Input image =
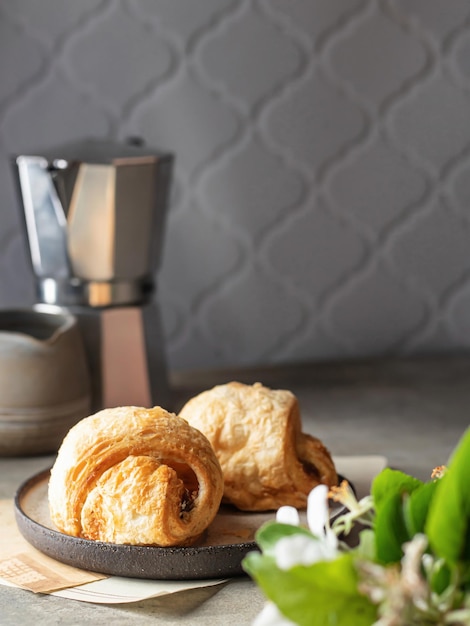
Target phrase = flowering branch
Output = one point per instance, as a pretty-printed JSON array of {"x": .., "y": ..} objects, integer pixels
[{"x": 411, "y": 566}]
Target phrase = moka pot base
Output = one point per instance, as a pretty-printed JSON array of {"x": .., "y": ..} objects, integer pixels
[{"x": 125, "y": 352}]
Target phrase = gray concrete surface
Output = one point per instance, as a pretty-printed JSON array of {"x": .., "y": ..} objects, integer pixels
[{"x": 412, "y": 411}]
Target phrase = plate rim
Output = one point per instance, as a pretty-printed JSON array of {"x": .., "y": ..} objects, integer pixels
[{"x": 225, "y": 560}]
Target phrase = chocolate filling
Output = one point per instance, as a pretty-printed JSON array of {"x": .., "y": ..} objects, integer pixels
[
  {"x": 311, "y": 470},
  {"x": 187, "y": 502}
]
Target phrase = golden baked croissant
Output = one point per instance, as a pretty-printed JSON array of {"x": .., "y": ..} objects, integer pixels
[
  {"x": 136, "y": 476},
  {"x": 256, "y": 433}
]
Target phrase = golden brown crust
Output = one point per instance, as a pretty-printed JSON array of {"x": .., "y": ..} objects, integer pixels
[
  {"x": 256, "y": 433},
  {"x": 137, "y": 476}
]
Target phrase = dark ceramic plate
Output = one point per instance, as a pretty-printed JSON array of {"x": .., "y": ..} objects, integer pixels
[{"x": 229, "y": 538}]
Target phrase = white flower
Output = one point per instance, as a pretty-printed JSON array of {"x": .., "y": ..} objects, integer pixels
[
  {"x": 401, "y": 592},
  {"x": 412, "y": 579},
  {"x": 300, "y": 549},
  {"x": 288, "y": 515},
  {"x": 317, "y": 510},
  {"x": 271, "y": 616}
]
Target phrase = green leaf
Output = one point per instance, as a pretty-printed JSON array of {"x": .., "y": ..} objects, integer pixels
[
  {"x": 270, "y": 533},
  {"x": 390, "y": 490},
  {"x": 416, "y": 507},
  {"x": 441, "y": 578},
  {"x": 448, "y": 524},
  {"x": 322, "y": 594},
  {"x": 389, "y": 482},
  {"x": 390, "y": 530},
  {"x": 366, "y": 550}
]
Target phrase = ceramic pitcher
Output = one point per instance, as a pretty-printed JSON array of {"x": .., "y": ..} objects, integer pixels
[{"x": 44, "y": 380}]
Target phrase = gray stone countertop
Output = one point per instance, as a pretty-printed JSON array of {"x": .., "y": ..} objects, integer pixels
[{"x": 412, "y": 410}]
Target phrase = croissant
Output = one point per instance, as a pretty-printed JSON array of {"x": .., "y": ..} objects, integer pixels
[
  {"x": 256, "y": 433},
  {"x": 138, "y": 476}
]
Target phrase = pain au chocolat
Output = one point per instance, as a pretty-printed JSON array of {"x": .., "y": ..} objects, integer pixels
[
  {"x": 131, "y": 475},
  {"x": 257, "y": 435}
]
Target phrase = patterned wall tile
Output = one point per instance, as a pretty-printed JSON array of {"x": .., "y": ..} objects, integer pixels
[
  {"x": 252, "y": 188},
  {"x": 102, "y": 64},
  {"x": 433, "y": 248},
  {"x": 320, "y": 200},
  {"x": 68, "y": 116},
  {"x": 440, "y": 19},
  {"x": 434, "y": 122},
  {"x": 16, "y": 286},
  {"x": 379, "y": 199},
  {"x": 27, "y": 54},
  {"x": 314, "y": 121},
  {"x": 250, "y": 316},
  {"x": 397, "y": 57},
  {"x": 458, "y": 320},
  {"x": 184, "y": 18},
  {"x": 326, "y": 249},
  {"x": 374, "y": 308},
  {"x": 249, "y": 57},
  {"x": 190, "y": 271},
  {"x": 460, "y": 58},
  {"x": 49, "y": 20},
  {"x": 316, "y": 19},
  {"x": 185, "y": 118}
]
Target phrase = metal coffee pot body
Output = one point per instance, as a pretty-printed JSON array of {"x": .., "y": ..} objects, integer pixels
[{"x": 95, "y": 216}]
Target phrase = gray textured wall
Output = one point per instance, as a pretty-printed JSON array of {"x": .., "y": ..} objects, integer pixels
[{"x": 320, "y": 202}]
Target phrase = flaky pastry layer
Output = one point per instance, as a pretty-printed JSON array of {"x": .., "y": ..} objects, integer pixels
[
  {"x": 135, "y": 476},
  {"x": 256, "y": 433}
]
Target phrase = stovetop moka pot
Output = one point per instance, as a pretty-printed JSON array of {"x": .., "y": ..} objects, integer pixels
[{"x": 95, "y": 215}]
